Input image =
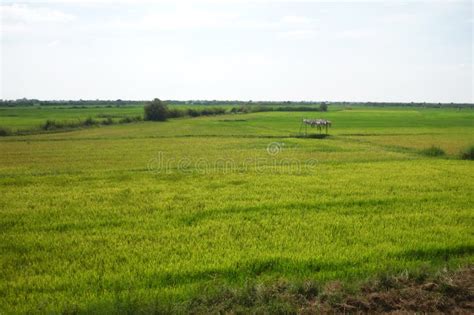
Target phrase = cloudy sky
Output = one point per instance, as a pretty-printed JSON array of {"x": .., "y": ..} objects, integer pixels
[{"x": 246, "y": 50}]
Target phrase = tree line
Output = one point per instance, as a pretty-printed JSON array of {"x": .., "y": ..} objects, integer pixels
[
  {"x": 24, "y": 102},
  {"x": 158, "y": 110}
]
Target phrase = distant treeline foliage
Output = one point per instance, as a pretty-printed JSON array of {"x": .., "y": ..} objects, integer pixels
[
  {"x": 468, "y": 153},
  {"x": 157, "y": 110},
  {"x": 51, "y": 124},
  {"x": 119, "y": 102},
  {"x": 72, "y": 103}
]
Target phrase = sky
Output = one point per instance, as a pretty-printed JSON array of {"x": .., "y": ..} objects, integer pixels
[{"x": 380, "y": 51}]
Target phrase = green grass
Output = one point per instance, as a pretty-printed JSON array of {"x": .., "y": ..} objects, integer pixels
[
  {"x": 145, "y": 216},
  {"x": 21, "y": 118},
  {"x": 26, "y": 118}
]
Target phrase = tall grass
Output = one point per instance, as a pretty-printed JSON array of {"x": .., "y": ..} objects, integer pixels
[
  {"x": 433, "y": 151},
  {"x": 50, "y": 124},
  {"x": 5, "y": 132},
  {"x": 468, "y": 153}
]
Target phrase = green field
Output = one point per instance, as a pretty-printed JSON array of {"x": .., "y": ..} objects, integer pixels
[
  {"x": 18, "y": 118},
  {"x": 145, "y": 216}
]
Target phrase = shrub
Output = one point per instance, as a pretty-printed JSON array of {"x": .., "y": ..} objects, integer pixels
[
  {"x": 433, "y": 151},
  {"x": 175, "y": 113},
  {"x": 262, "y": 108},
  {"x": 54, "y": 125},
  {"x": 156, "y": 111},
  {"x": 259, "y": 109},
  {"x": 193, "y": 112},
  {"x": 89, "y": 122},
  {"x": 5, "y": 132},
  {"x": 107, "y": 116},
  {"x": 51, "y": 125},
  {"x": 212, "y": 111},
  {"x": 126, "y": 120},
  {"x": 297, "y": 109},
  {"x": 220, "y": 111},
  {"x": 244, "y": 109},
  {"x": 468, "y": 153},
  {"x": 108, "y": 121}
]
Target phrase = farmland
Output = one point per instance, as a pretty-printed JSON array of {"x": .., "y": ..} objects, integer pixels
[{"x": 145, "y": 216}]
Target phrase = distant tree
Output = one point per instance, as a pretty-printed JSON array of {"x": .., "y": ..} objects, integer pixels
[
  {"x": 156, "y": 111},
  {"x": 323, "y": 107}
]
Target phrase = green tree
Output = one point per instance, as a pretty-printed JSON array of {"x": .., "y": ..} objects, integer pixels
[
  {"x": 156, "y": 111},
  {"x": 323, "y": 107}
]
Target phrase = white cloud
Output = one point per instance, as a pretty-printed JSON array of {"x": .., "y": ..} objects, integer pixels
[
  {"x": 180, "y": 18},
  {"x": 297, "y": 27},
  {"x": 296, "y": 20},
  {"x": 21, "y": 13},
  {"x": 185, "y": 19},
  {"x": 356, "y": 34},
  {"x": 53, "y": 43},
  {"x": 297, "y": 34}
]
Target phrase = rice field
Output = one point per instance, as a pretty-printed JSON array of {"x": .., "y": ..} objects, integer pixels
[{"x": 145, "y": 216}]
